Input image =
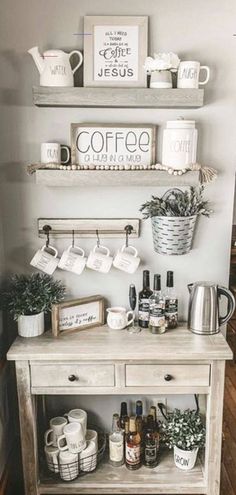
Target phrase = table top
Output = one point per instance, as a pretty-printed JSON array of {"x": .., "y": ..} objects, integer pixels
[{"x": 103, "y": 344}]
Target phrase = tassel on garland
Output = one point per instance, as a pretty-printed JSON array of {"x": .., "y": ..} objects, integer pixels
[{"x": 207, "y": 174}]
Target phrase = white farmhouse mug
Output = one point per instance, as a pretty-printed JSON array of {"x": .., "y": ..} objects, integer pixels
[
  {"x": 126, "y": 261},
  {"x": 73, "y": 260},
  {"x": 92, "y": 435},
  {"x": 118, "y": 318},
  {"x": 51, "y": 454},
  {"x": 45, "y": 259},
  {"x": 88, "y": 458},
  {"x": 56, "y": 430},
  {"x": 78, "y": 416},
  {"x": 188, "y": 74},
  {"x": 52, "y": 153},
  {"x": 98, "y": 260},
  {"x": 74, "y": 437},
  {"x": 69, "y": 465}
]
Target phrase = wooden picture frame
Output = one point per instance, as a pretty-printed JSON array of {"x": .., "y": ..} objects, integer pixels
[
  {"x": 115, "y": 49},
  {"x": 113, "y": 144},
  {"x": 67, "y": 319}
]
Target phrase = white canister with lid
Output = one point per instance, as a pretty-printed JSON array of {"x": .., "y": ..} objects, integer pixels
[{"x": 179, "y": 147}]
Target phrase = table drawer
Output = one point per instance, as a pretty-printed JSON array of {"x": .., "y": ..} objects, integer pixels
[
  {"x": 171, "y": 375},
  {"x": 72, "y": 375}
]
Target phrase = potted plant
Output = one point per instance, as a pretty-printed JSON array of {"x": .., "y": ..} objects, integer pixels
[
  {"x": 174, "y": 217},
  {"x": 28, "y": 297},
  {"x": 160, "y": 68},
  {"x": 185, "y": 433}
]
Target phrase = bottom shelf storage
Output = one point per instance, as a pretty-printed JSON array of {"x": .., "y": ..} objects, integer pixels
[{"x": 163, "y": 479}]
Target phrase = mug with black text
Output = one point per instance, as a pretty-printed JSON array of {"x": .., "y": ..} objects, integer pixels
[
  {"x": 52, "y": 153},
  {"x": 188, "y": 74}
]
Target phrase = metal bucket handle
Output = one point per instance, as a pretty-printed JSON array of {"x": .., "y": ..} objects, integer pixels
[{"x": 170, "y": 192}]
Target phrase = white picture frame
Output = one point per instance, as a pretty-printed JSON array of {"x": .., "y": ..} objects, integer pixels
[
  {"x": 115, "y": 49},
  {"x": 113, "y": 144}
]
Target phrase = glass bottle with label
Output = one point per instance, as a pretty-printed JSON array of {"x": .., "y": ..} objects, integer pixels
[
  {"x": 143, "y": 303},
  {"x": 157, "y": 308},
  {"x": 116, "y": 443},
  {"x": 150, "y": 445},
  {"x": 171, "y": 302},
  {"x": 133, "y": 446},
  {"x": 139, "y": 421}
]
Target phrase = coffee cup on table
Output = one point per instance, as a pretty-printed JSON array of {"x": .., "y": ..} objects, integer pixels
[
  {"x": 118, "y": 318},
  {"x": 73, "y": 260},
  {"x": 127, "y": 259},
  {"x": 56, "y": 430},
  {"x": 45, "y": 259},
  {"x": 74, "y": 438},
  {"x": 99, "y": 259},
  {"x": 78, "y": 416},
  {"x": 188, "y": 74},
  {"x": 69, "y": 465},
  {"x": 52, "y": 153}
]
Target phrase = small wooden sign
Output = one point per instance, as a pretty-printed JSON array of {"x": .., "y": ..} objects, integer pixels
[
  {"x": 113, "y": 144},
  {"x": 78, "y": 314}
]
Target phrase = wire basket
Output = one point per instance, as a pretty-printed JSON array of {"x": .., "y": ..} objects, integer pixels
[{"x": 82, "y": 465}]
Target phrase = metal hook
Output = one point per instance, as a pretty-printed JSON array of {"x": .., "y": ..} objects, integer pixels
[
  {"x": 46, "y": 229},
  {"x": 128, "y": 231},
  {"x": 98, "y": 240},
  {"x": 73, "y": 238}
]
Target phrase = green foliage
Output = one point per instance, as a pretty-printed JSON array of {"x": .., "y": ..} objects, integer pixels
[
  {"x": 184, "y": 430},
  {"x": 178, "y": 204},
  {"x": 31, "y": 294}
]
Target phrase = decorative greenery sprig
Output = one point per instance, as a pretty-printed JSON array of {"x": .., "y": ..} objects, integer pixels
[
  {"x": 184, "y": 430},
  {"x": 31, "y": 294},
  {"x": 178, "y": 204}
]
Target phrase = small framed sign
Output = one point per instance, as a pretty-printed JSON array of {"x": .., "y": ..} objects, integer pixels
[
  {"x": 115, "y": 48},
  {"x": 113, "y": 144},
  {"x": 71, "y": 316}
]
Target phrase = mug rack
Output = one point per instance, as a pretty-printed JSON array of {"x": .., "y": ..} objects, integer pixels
[{"x": 89, "y": 227}]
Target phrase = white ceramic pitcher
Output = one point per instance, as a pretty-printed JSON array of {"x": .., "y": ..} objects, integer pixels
[{"x": 54, "y": 66}]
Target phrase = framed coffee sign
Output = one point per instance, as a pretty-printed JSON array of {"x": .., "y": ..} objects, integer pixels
[
  {"x": 71, "y": 316},
  {"x": 115, "y": 48},
  {"x": 113, "y": 144}
]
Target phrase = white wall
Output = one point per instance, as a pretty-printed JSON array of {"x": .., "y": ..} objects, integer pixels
[{"x": 196, "y": 31}]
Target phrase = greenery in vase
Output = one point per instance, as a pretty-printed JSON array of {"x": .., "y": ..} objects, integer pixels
[
  {"x": 31, "y": 294},
  {"x": 184, "y": 430},
  {"x": 177, "y": 204}
]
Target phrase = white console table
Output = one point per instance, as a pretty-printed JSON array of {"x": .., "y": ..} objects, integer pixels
[{"x": 105, "y": 362}]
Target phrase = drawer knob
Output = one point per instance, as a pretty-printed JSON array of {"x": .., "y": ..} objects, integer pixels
[
  {"x": 168, "y": 378},
  {"x": 72, "y": 378}
]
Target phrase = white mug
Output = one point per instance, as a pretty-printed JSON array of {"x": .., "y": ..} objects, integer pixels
[
  {"x": 78, "y": 416},
  {"x": 188, "y": 74},
  {"x": 56, "y": 430},
  {"x": 88, "y": 458},
  {"x": 52, "y": 153},
  {"x": 99, "y": 261},
  {"x": 73, "y": 260},
  {"x": 118, "y": 318},
  {"x": 74, "y": 437},
  {"x": 92, "y": 435},
  {"x": 44, "y": 260},
  {"x": 51, "y": 454},
  {"x": 126, "y": 261},
  {"x": 69, "y": 465}
]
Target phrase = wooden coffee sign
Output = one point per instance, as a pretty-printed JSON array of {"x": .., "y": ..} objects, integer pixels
[
  {"x": 115, "y": 49},
  {"x": 71, "y": 316},
  {"x": 122, "y": 144}
]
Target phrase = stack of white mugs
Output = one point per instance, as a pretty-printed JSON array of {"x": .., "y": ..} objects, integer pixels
[{"x": 70, "y": 448}]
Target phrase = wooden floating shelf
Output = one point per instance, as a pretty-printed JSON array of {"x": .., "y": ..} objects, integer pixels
[
  {"x": 165, "y": 478},
  {"x": 45, "y": 96},
  {"x": 95, "y": 178}
]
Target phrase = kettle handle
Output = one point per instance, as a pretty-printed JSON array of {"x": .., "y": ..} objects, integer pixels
[{"x": 231, "y": 304}]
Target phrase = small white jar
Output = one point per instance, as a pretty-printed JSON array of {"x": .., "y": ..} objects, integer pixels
[{"x": 179, "y": 148}]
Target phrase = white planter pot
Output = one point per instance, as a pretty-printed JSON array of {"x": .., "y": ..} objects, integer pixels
[
  {"x": 31, "y": 326},
  {"x": 161, "y": 79},
  {"x": 185, "y": 459}
]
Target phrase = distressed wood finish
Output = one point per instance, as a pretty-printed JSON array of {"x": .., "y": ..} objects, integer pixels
[
  {"x": 117, "y": 97},
  {"x": 86, "y": 227},
  {"x": 102, "y": 344},
  {"x": 113, "y": 178},
  {"x": 28, "y": 420},
  {"x": 154, "y": 374},
  {"x": 214, "y": 430},
  {"x": 86, "y": 375}
]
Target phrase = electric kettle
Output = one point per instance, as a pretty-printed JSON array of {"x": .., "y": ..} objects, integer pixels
[{"x": 203, "y": 310}]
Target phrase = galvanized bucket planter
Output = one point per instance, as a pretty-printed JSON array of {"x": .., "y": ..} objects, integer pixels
[{"x": 173, "y": 235}]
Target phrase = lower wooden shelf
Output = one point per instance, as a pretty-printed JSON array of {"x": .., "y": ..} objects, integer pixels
[{"x": 163, "y": 479}]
